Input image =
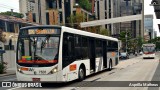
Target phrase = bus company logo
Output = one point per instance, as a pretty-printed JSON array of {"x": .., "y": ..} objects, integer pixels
[
  {"x": 35, "y": 72},
  {"x": 6, "y": 84},
  {"x": 31, "y": 69}
]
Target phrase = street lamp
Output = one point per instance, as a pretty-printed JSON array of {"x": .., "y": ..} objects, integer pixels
[
  {"x": 126, "y": 15},
  {"x": 126, "y": 40}
]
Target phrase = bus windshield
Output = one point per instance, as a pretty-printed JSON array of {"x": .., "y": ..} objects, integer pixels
[
  {"x": 38, "y": 50},
  {"x": 148, "y": 49}
]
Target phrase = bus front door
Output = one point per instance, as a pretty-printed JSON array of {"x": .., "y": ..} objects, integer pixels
[{"x": 104, "y": 55}]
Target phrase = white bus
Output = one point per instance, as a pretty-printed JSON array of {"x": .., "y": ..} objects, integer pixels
[
  {"x": 62, "y": 54},
  {"x": 148, "y": 50}
]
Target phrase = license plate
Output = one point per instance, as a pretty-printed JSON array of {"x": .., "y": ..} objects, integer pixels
[{"x": 36, "y": 79}]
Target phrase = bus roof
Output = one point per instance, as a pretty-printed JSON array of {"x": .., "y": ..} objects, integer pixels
[
  {"x": 71, "y": 30},
  {"x": 80, "y": 32}
]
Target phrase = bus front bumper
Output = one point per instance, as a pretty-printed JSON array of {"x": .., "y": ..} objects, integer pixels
[{"x": 25, "y": 77}]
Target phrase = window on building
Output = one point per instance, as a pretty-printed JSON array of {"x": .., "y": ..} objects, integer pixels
[
  {"x": 2, "y": 25},
  {"x": 34, "y": 17},
  {"x": 98, "y": 11},
  {"x": 51, "y": 4},
  {"x": 47, "y": 18},
  {"x": 60, "y": 4}
]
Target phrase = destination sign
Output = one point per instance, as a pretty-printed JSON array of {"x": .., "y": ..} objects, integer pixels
[{"x": 43, "y": 31}]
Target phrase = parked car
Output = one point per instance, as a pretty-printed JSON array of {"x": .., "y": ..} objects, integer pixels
[{"x": 124, "y": 55}]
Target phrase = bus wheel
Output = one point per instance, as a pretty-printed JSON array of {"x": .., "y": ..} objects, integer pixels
[
  {"x": 110, "y": 65},
  {"x": 81, "y": 74}
]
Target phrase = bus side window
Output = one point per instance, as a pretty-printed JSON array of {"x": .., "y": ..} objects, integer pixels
[
  {"x": 78, "y": 49},
  {"x": 68, "y": 49},
  {"x": 85, "y": 48}
]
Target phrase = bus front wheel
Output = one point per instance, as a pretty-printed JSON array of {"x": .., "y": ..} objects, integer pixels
[{"x": 81, "y": 74}]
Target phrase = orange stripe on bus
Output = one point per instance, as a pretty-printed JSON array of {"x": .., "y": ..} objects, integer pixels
[{"x": 24, "y": 69}]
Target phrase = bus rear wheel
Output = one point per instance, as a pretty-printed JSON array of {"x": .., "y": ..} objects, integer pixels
[{"x": 81, "y": 74}]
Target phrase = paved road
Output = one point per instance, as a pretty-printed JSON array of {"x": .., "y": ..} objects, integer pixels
[{"x": 135, "y": 69}]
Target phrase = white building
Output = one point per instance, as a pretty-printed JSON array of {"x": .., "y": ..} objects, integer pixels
[{"x": 25, "y": 6}]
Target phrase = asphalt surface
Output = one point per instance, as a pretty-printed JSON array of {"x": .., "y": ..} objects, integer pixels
[{"x": 133, "y": 69}]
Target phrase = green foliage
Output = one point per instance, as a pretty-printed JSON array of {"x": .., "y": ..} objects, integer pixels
[
  {"x": 104, "y": 32},
  {"x": 122, "y": 36},
  {"x": 132, "y": 43},
  {"x": 155, "y": 41},
  {"x": 85, "y": 4},
  {"x": 75, "y": 20},
  {"x": 3, "y": 67},
  {"x": 15, "y": 14}
]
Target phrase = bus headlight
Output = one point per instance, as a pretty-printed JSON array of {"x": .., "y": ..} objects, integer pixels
[
  {"x": 19, "y": 69},
  {"x": 54, "y": 70}
]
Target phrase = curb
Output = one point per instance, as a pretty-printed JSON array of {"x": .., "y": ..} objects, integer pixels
[{"x": 1, "y": 75}]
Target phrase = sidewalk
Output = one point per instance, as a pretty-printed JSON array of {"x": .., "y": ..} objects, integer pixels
[
  {"x": 128, "y": 62},
  {"x": 8, "y": 72}
]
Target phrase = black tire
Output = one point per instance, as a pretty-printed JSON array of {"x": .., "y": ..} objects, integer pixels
[
  {"x": 110, "y": 65},
  {"x": 81, "y": 74}
]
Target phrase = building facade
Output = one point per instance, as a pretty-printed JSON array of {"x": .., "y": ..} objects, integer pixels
[
  {"x": 106, "y": 9},
  {"x": 10, "y": 27},
  {"x": 148, "y": 25},
  {"x": 26, "y": 6},
  {"x": 50, "y": 12}
]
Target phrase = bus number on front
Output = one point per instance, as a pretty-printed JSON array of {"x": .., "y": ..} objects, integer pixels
[{"x": 42, "y": 72}]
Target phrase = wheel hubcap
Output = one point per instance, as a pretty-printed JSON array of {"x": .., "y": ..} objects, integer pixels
[
  {"x": 110, "y": 66},
  {"x": 81, "y": 73}
]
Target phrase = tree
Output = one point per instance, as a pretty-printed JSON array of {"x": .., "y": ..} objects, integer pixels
[
  {"x": 123, "y": 38},
  {"x": 15, "y": 14},
  {"x": 2, "y": 36},
  {"x": 155, "y": 41},
  {"x": 104, "y": 32},
  {"x": 85, "y": 4},
  {"x": 75, "y": 20}
]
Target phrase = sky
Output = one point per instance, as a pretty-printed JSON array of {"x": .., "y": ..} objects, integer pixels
[
  {"x": 7, "y": 5},
  {"x": 150, "y": 10}
]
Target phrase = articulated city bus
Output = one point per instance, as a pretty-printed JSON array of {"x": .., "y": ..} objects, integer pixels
[
  {"x": 62, "y": 54},
  {"x": 148, "y": 50}
]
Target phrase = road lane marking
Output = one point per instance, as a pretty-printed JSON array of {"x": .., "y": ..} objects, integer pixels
[
  {"x": 13, "y": 88},
  {"x": 7, "y": 76}
]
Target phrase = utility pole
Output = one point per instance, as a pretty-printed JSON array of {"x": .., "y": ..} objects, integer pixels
[
  {"x": 126, "y": 15},
  {"x": 11, "y": 12},
  {"x": 39, "y": 10},
  {"x": 126, "y": 40}
]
